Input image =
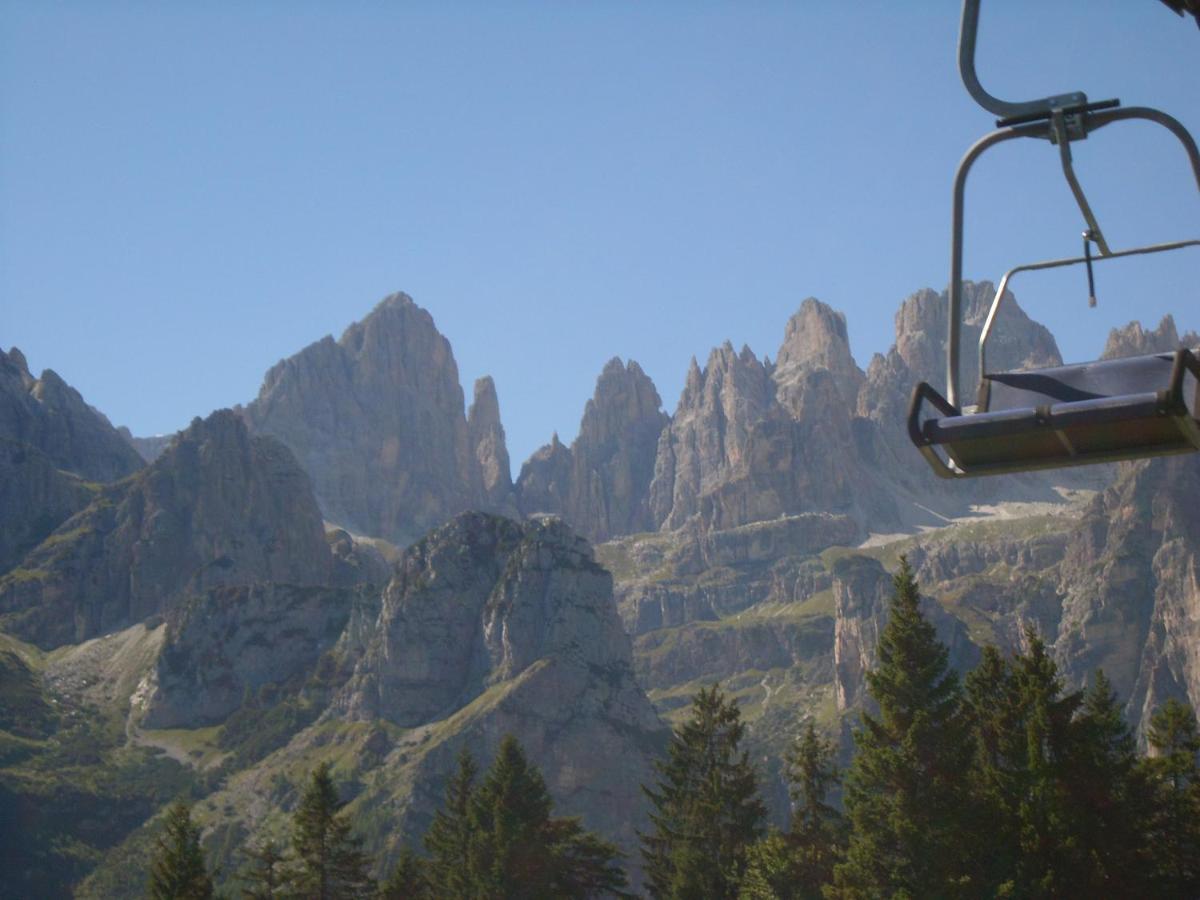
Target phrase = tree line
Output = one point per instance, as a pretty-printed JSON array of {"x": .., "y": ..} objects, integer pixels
[{"x": 1000, "y": 784}]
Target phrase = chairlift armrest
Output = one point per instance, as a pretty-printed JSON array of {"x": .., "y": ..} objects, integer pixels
[
  {"x": 1185, "y": 361},
  {"x": 921, "y": 393}
]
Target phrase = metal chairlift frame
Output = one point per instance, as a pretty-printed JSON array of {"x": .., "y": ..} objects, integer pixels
[{"x": 1060, "y": 119}]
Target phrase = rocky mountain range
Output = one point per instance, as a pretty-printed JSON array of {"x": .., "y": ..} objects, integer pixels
[{"x": 344, "y": 570}]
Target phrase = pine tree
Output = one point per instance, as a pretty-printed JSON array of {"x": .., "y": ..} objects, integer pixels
[
  {"x": 817, "y": 830},
  {"x": 993, "y": 711},
  {"x": 516, "y": 849},
  {"x": 1173, "y": 772},
  {"x": 706, "y": 808},
  {"x": 448, "y": 840},
  {"x": 1108, "y": 796},
  {"x": 1051, "y": 861},
  {"x": 906, "y": 787},
  {"x": 409, "y": 879},
  {"x": 506, "y": 813},
  {"x": 177, "y": 871},
  {"x": 265, "y": 876},
  {"x": 330, "y": 864}
]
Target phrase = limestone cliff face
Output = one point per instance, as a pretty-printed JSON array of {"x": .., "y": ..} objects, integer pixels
[
  {"x": 218, "y": 507},
  {"x": 53, "y": 448},
  {"x": 376, "y": 419},
  {"x": 491, "y": 627},
  {"x": 816, "y": 339},
  {"x": 35, "y": 497},
  {"x": 233, "y": 638},
  {"x": 600, "y": 485},
  {"x": 148, "y": 448},
  {"x": 709, "y": 438},
  {"x": 486, "y": 436},
  {"x": 544, "y": 485},
  {"x": 752, "y": 441},
  {"x": 674, "y": 579},
  {"x": 1129, "y": 578},
  {"x": 49, "y": 415}
]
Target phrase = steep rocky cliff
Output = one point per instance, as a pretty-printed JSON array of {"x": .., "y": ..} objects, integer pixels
[
  {"x": 489, "y": 627},
  {"x": 751, "y": 440},
  {"x": 218, "y": 507},
  {"x": 376, "y": 418},
  {"x": 1130, "y": 576},
  {"x": 49, "y": 415},
  {"x": 36, "y": 497},
  {"x": 234, "y": 639},
  {"x": 54, "y": 449},
  {"x": 486, "y": 436},
  {"x": 600, "y": 484}
]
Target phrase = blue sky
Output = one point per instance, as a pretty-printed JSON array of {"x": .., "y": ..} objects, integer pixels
[{"x": 190, "y": 192}]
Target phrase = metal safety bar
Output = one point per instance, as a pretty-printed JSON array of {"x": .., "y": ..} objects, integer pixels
[
  {"x": 1041, "y": 130},
  {"x": 1055, "y": 264}
]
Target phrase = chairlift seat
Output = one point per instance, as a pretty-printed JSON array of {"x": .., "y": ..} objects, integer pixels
[{"x": 1068, "y": 415}]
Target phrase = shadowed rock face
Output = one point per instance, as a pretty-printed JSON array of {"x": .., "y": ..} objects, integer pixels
[
  {"x": 53, "y": 448},
  {"x": 49, "y": 415},
  {"x": 489, "y": 627},
  {"x": 1129, "y": 577},
  {"x": 35, "y": 496},
  {"x": 233, "y": 638},
  {"x": 376, "y": 419},
  {"x": 600, "y": 484},
  {"x": 218, "y": 507}
]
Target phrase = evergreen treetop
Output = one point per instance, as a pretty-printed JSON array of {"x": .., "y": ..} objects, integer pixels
[
  {"x": 330, "y": 864},
  {"x": 906, "y": 787},
  {"x": 177, "y": 871},
  {"x": 706, "y": 807}
]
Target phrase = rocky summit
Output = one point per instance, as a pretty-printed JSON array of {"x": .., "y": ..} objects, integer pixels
[
  {"x": 49, "y": 415},
  {"x": 600, "y": 484},
  {"x": 376, "y": 418},
  {"x": 55, "y": 452}
]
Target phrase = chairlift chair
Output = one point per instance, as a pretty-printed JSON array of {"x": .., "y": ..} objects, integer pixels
[{"x": 1093, "y": 412}]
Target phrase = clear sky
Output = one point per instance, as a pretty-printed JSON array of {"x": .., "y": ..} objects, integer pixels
[{"x": 191, "y": 191}]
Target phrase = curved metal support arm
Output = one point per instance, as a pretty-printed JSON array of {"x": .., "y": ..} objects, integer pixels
[
  {"x": 1002, "y": 108},
  {"x": 1035, "y": 130},
  {"x": 1149, "y": 114},
  {"x": 1055, "y": 264}
]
